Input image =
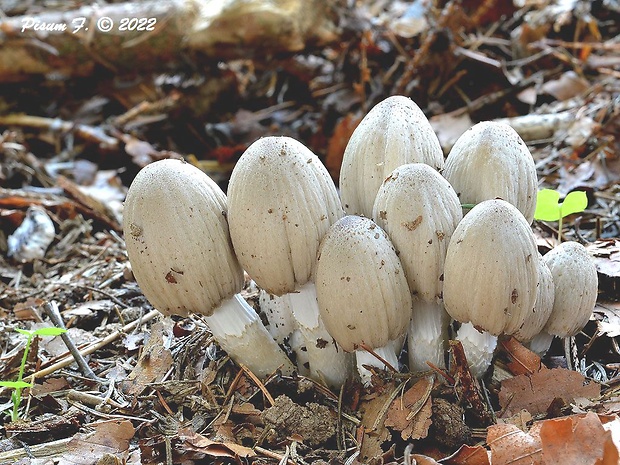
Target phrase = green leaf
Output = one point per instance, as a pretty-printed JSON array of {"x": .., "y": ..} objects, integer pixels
[
  {"x": 547, "y": 205},
  {"x": 53, "y": 331},
  {"x": 574, "y": 202},
  {"x": 15, "y": 384},
  {"x": 25, "y": 332}
]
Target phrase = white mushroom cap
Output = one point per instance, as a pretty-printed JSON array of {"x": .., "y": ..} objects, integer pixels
[
  {"x": 281, "y": 202},
  {"x": 576, "y": 287},
  {"x": 419, "y": 211},
  {"x": 361, "y": 287},
  {"x": 185, "y": 263},
  {"x": 393, "y": 133},
  {"x": 537, "y": 318},
  {"x": 490, "y": 160},
  {"x": 491, "y": 268}
]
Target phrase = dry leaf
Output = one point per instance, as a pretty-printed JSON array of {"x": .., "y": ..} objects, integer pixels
[
  {"x": 373, "y": 409},
  {"x": 155, "y": 361},
  {"x": 577, "y": 440},
  {"x": 607, "y": 316},
  {"x": 510, "y": 445},
  {"x": 522, "y": 360},
  {"x": 536, "y": 392},
  {"x": 468, "y": 455},
  {"x": 110, "y": 437},
  {"x": 338, "y": 142},
  {"x": 195, "y": 442},
  {"x": 449, "y": 128},
  {"x": 411, "y": 413},
  {"x": 569, "y": 85}
]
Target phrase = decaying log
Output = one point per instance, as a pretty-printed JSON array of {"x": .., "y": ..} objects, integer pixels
[{"x": 143, "y": 36}]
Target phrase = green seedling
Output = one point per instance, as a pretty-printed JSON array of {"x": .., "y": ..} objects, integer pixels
[
  {"x": 17, "y": 386},
  {"x": 549, "y": 207}
]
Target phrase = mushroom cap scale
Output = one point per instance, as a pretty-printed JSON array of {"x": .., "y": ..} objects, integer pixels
[
  {"x": 393, "y": 133},
  {"x": 419, "y": 211},
  {"x": 491, "y": 160},
  {"x": 576, "y": 287},
  {"x": 281, "y": 202},
  {"x": 491, "y": 269},
  {"x": 361, "y": 287},
  {"x": 177, "y": 239}
]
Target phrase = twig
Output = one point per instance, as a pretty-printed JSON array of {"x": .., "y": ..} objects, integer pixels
[
  {"x": 258, "y": 383},
  {"x": 272, "y": 455},
  {"x": 94, "y": 347},
  {"x": 51, "y": 308}
]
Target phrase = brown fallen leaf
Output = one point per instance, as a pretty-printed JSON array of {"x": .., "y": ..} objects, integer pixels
[
  {"x": 411, "y": 413},
  {"x": 195, "y": 442},
  {"x": 535, "y": 393},
  {"x": 468, "y": 455},
  {"x": 155, "y": 361},
  {"x": 373, "y": 409},
  {"x": 522, "y": 360},
  {"x": 577, "y": 440},
  {"x": 110, "y": 437},
  {"x": 511, "y": 445}
]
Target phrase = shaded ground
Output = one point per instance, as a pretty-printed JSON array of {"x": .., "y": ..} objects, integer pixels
[{"x": 170, "y": 395}]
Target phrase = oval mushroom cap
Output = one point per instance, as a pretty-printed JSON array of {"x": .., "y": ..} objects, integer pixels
[
  {"x": 576, "y": 287},
  {"x": 393, "y": 133},
  {"x": 419, "y": 211},
  {"x": 177, "y": 239},
  {"x": 491, "y": 268},
  {"x": 281, "y": 202},
  {"x": 490, "y": 160},
  {"x": 537, "y": 318},
  {"x": 361, "y": 287}
]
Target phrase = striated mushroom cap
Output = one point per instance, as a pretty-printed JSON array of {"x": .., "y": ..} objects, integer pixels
[
  {"x": 419, "y": 211},
  {"x": 491, "y": 268},
  {"x": 537, "y": 318},
  {"x": 281, "y": 202},
  {"x": 576, "y": 288},
  {"x": 490, "y": 160},
  {"x": 177, "y": 239},
  {"x": 361, "y": 287},
  {"x": 393, "y": 133}
]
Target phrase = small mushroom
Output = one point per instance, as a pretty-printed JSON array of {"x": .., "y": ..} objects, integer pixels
[
  {"x": 362, "y": 291},
  {"x": 490, "y": 160},
  {"x": 182, "y": 258},
  {"x": 576, "y": 287},
  {"x": 491, "y": 268},
  {"x": 419, "y": 211},
  {"x": 281, "y": 202},
  {"x": 393, "y": 133}
]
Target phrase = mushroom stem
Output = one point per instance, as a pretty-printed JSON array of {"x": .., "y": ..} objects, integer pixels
[
  {"x": 240, "y": 332},
  {"x": 428, "y": 333},
  {"x": 327, "y": 361},
  {"x": 541, "y": 343},
  {"x": 365, "y": 357},
  {"x": 479, "y": 347}
]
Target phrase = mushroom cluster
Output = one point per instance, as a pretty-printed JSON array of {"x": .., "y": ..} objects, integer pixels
[{"x": 391, "y": 256}]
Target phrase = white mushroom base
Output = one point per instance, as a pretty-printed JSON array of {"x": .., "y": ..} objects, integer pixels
[{"x": 240, "y": 332}]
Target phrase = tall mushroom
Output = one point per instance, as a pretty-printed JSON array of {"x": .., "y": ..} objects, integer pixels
[
  {"x": 181, "y": 255},
  {"x": 393, "y": 133},
  {"x": 363, "y": 294},
  {"x": 281, "y": 202},
  {"x": 491, "y": 268},
  {"x": 491, "y": 160},
  {"x": 419, "y": 211}
]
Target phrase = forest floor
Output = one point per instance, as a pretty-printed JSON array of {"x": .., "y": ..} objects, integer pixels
[{"x": 159, "y": 390}]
